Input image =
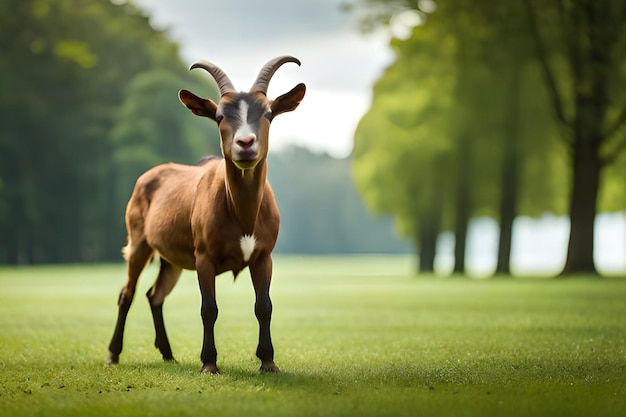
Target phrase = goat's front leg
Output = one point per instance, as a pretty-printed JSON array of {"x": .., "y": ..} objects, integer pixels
[
  {"x": 261, "y": 273},
  {"x": 206, "y": 280}
]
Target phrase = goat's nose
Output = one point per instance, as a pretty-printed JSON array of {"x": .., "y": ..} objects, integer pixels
[{"x": 246, "y": 141}]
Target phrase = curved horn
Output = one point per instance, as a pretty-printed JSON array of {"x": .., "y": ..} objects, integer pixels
[
  {"x": 223, "y": 82},
  {"x": 265, "y": 75}
]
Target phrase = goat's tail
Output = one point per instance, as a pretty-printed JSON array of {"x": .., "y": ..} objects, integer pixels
[{"x": 126, "y": 251}]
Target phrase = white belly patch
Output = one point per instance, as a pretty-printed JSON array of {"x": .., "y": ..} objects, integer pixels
[{"x": 247, "y": 244}]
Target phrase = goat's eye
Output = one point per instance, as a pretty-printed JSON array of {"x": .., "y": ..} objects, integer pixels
[
  {"x": 219, "y": 118},
  {"x": 268, "y": 115}
]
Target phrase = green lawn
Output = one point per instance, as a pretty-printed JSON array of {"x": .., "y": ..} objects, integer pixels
[{"x": 355, "y": 336}]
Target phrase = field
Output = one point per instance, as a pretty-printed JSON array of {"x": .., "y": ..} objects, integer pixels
[{"x": 355, "y": 336}]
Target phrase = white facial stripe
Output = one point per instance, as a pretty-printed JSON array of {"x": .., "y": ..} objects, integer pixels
[
  {"x": 247, "y": 244},
  {"x": 245, "y": 129},
  {"x": 243, "y": 110}
]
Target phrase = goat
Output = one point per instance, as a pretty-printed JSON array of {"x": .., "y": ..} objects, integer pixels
[{"x": 218, "y": 216}]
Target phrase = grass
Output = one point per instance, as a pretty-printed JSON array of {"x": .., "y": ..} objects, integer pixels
[{"x": 355, "y": 336}]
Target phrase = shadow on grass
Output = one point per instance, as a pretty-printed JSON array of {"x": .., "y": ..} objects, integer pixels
[{"x": 228, "y": 373}]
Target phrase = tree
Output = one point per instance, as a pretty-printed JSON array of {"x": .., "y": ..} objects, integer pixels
[
  {"x": 402, "y": 152},
  {"x": 581, "y": 47}
]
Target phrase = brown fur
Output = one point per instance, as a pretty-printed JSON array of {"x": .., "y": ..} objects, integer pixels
[{"x": 194, "y": 217}]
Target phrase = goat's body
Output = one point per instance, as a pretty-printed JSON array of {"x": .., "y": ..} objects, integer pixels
[{"x": 171, "y": 189}]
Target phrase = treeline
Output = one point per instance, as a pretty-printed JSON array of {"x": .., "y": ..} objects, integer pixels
[
  {"x": 497, "y": 109},
  {"x": 88, "y": 101},
  {"x": 321, "y": 210}
]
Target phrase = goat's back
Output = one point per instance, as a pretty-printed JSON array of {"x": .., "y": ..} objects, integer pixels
[{"x": 159, "y": 210}]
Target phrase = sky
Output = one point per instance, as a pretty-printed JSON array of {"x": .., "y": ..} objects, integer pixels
[{"x": 339, "y": 63}]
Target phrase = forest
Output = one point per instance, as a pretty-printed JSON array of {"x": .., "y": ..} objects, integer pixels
[{"x": 498, "y": 109}]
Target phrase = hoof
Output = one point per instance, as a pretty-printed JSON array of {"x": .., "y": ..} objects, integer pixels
[
  {"x": 209, "y": 368},
  {"x": 270, "y": 367},
  {"x": 166, "y": 353},
  {"x": 113, "y": 360}
]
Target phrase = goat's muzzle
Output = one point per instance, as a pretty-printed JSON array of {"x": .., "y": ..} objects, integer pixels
[{"x": 245, "y": 151}]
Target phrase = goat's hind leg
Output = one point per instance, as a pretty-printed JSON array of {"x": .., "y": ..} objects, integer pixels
[
  {"x": 137, "y": 257},
  {"x": 167, "y": 279}
]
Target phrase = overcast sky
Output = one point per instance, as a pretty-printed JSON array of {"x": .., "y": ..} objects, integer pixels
[{"x": 339, "y": 64}]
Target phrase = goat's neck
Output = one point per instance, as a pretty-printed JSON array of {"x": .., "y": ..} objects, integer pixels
[{"x": 245, "y": 192}]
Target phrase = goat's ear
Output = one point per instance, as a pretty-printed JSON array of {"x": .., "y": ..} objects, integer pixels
[
  {"x": 199, "y": 106},
  {"x": 288, "y": 101}
]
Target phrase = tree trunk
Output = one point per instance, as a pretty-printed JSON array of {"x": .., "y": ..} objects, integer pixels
[
  {"x": 427, "y": 248},
  {"x": 460, "y": 236},
  {"x": 507, "y": 216},
  {"x": 462, "y": 207},
  {"x": 509, "y": 184},
  {"x": 428, "y": 231},
  {"x": 592, "y": 35},
  {"x": 582, "y": 209},
  {"x": 589, "y": 133}
]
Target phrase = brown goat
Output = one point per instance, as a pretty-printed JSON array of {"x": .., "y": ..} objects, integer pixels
[{"x": 215, "y": 217}]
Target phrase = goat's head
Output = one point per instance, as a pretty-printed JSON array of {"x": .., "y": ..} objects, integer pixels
[{"x": 244, "y": 118}]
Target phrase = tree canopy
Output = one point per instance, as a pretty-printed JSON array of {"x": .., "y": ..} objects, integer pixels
[
  {"x": 79, "y": 81},
  {"x": 480, "y": 115}
]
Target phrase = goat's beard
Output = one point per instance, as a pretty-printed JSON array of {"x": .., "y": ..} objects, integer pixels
[{"x": 244, "y": 165}]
